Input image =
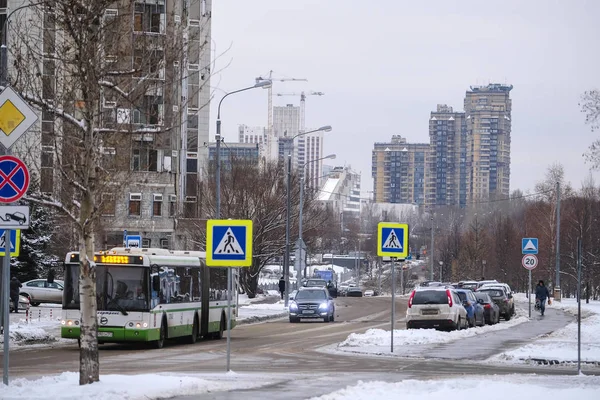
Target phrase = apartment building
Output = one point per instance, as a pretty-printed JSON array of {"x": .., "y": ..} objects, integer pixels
[
  {"x": 166, "y": 128},
  {"x": 398, "y": 170},
  {"x": 488, "y": 115}
]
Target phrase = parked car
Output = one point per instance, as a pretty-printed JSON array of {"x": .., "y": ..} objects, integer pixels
[
  {"x": 491, "y": 311},
  {"x": 501, "y": 299},
  {"x": 354, "y": 292},
  {"x": 342, "y": 290},
  {"x": 40, "y": 291},
  {"x": 369, "y": 293},
  {"x": 312, "y": 302},
  {"x": 315, "y": 282},
  {"x": 23, "y": 303},
  {"x": 435, "y": 307},
  {"x": 468, "y": 285},
  {"x": 506, "y": 289},
  {"x": 481, "y": 283},
  {"x": 475, "y": 314}
]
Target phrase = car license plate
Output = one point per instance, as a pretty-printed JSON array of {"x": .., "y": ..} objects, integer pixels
[
  {"x": 308, "y": 312},
  {"x": 429, "y": 312},
  {"x": 105, "y": 334}
]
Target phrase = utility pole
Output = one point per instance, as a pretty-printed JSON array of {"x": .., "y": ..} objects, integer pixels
[
  {"x": 557, "y": 292},
  {"x": 431, "y": 250},
  {"x": 286, "y": 257}
]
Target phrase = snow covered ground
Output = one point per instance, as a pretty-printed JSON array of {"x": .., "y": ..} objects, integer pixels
[
  {"x": 377, "y": 341},
  {"x": 561, "y": 345},
  {"x": 132, "y": 387},
  {"x": 490, "y": 388}
]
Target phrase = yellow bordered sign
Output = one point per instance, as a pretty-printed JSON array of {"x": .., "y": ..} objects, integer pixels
[
  {"x": 228, "y": 243},
  {"x": 392, "y": 240},
  {"x": 15, "y": 242}
]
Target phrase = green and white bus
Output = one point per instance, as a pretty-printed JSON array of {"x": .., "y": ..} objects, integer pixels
[{"x": 150, "y": 295}]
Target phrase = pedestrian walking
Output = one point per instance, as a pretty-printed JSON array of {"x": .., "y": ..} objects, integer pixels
[
  {"x": 282, "y": 286},
  {"x": 15, "y": 288},
  {"x": 542, "y": 294}
]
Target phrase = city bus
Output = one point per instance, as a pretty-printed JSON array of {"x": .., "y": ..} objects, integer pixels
[{"x": 150, "y": 295}]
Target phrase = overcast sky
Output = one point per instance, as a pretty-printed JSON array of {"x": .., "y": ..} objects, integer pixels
[{"x": 384, "y": 65}]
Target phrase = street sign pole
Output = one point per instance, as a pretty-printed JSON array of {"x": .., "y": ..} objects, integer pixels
[
  {"x": 529, "y": 290},
  {"x": 393, "y": 301},
  {"x": 229, "y": 294},
  {"x": 5, "y": 295}
]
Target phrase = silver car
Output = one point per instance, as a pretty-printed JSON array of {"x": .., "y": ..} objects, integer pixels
[{"x": 40, "y": 291}]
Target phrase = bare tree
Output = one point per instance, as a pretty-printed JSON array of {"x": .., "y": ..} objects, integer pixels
[
  {"x": 80, "y": 57},
  {"x": 590, "y": 105}
]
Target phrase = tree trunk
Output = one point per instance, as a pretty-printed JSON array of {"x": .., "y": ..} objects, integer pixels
[{"x": 89, "y": 365}]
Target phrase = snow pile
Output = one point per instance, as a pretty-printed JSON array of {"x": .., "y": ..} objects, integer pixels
[
  {"x": 382, "y": 338},
  {"x": 132, "y": 387},
  {"x": 561, "y": 345},
  {"x": 280, "y": 305},
  {"x": 23, "y": 333},
  {"x": 490, "y": 388}
]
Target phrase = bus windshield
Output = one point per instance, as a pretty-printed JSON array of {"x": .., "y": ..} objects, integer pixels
[{"x": 118, "y": 288}]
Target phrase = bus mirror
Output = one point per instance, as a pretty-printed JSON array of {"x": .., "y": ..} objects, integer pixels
[{"x": 156, "y": 283}]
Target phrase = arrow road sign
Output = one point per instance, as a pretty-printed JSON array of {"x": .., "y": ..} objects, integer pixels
[
  {"x": 228, "y": 243},
  {"x": 15, "y": 242},
  {"x": 14, "y": 179},
  {"x": 392, "y": 240},
  {"x": 529, "y": 261},
  {"x": 14, "y": 217},
  {"x": 529, "y": 245}
]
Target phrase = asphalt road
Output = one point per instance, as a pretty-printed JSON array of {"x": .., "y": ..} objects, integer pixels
[{"x": 278, "y": 347}]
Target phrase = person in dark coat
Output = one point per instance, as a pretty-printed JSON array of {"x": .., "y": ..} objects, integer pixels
[
  {"x": 542, "y": 294},
  {"x": 15, "y": 286},
  {"x": 281, "y": 286},
  {"x": 51, "y": 275}
]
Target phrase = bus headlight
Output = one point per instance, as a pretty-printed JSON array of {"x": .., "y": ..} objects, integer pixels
[
  {"x": 138, "y": 325},
  {"x": 63, "y": 322},
  {"x": 145, "y": 324}
]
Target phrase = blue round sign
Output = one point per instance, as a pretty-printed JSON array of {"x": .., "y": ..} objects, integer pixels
[{"x": 14, "y": 179}]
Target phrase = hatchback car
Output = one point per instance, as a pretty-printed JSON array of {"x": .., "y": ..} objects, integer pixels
[
  {"x": 41, "y": 291},
  {"x": 435, "y": 307},
  {"x": 501, "y": 299},
  {"x": 491, "y": 311},
  {"x": 312, "y": 302},
  {"x": 506, "y": 289},
  {"x": 369, "y": 293}
]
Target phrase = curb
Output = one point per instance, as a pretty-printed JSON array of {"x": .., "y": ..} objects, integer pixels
[{"x": 257, "y": 319}]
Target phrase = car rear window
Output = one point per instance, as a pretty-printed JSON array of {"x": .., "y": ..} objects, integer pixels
[
  {"x": 430, "y": 297},
  {"x": 495, "y": 293},
  {"x": 316, "y": 282}
]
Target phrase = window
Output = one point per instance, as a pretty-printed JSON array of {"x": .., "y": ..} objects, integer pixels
[
  {"x": 135, "y": 204},
  {"x": 146, "y": 243},
  {"x": 144, "y": 157},
  {"x": 172, "y": 205},
  {"x": 149, "y": 18},
  {"x": 164, "y": 243},
  {"x": 157, "y": 205},
  {"x": 109, "y": 204}
]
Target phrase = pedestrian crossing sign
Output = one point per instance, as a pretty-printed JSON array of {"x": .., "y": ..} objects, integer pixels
[
  {"x": 228, "y": 243},
  {"x": 392, "y": 240},
  {"x": 15, "y": 242}
]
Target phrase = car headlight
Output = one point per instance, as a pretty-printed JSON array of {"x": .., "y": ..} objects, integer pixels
[
  {"x": 293, "y": 306},
  {"x": 323, "y": 306}
]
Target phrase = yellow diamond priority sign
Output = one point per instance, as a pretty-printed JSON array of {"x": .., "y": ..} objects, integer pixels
[{"x": 16, "y": 117}]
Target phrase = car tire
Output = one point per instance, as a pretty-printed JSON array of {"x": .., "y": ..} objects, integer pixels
[
  {"x": 294, "y": 320},
  {"x": 332, "y": 318},
  {"x": 34, "y": 303},
  {"x": 160, "y": 343},
  {"x": 459, "y": 324},
  {"x": 507, "y": 316}
]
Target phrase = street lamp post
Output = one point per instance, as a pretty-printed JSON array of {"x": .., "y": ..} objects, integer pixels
[
  {"x": 259, "y": 84},
  {"x": 302, "y": 176},
  {"x": 286, "y": 256},
  {"x": 441, "y": 268}
]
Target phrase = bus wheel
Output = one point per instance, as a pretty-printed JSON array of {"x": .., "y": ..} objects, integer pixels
[
  {"x": 194, "y": 336},
  {"x": 160, "y": 343}
]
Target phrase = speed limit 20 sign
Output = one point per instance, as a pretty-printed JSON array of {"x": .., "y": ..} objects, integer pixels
[{"x": 530, "y": 261}]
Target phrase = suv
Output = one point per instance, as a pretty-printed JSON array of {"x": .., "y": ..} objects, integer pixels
[
  {"x": 507, "y": 290},
  {"x": 312, "y": 302},
  {"x": 435, "y": 307}
]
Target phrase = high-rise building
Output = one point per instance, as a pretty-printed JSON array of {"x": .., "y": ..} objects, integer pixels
[
  {"x": 488, "y": 118},
  {"x": 230, "y": 152},
  {"x": 398, "y": 171},
  {"x": 313, "y": 151},
  {"x": 446, "y": 160}
]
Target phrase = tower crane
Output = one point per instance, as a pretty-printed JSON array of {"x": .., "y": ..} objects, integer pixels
[
  {"x": 302, "y": 104},
  {"x": 270, "y": 95}
]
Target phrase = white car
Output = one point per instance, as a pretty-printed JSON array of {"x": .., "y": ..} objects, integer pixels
[
  {"x": 435, "y": 307},
  {"x": 369, "y": 293},
  {"x": 40, "y": 291}
]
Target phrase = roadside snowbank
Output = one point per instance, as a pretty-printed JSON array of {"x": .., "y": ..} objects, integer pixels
[
  {"x": 491, "y": 388},
  {"x": 131, "y": 387}
]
